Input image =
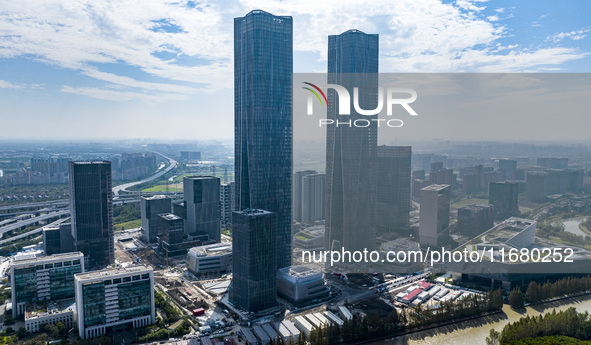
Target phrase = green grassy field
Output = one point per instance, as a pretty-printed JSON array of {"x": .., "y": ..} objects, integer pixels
[
  {"x": 162, "y": 188},
  {"x": 128, "y": 225},
  {"x": 463, "y": 203}
]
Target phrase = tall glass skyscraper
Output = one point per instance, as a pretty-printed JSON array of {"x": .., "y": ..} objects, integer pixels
[
  {"x": 254, "y": 268},
  {"x": 91, "y": 208},
  {"x": 263, "y": 67},
  {"x": 351, "y": 151}
]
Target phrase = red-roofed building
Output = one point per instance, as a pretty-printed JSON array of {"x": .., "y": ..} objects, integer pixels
[{"x": 411, "y": 296}]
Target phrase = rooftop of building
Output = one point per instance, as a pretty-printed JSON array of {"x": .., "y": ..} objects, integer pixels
[
  {"x": 253, "y": 212},
  {"x": 201, "y": 177},
  {"x": 44, "y": 308},
  {"x": 27, "y": 260},
  {"x": 436, "y": 187},
  {"x": 294, "y": 273},
  {"x": 476, "y": 207},
  {"x": 399, "y": 244},
  {"x": 90, "y": 162},
  {"x": 503, "y": 232},
  {"x": 169, "y": 216},
  {"x": 113, "y": 271},
  {"x": 155, "y": 197},
  {"x": 212, "y": 250}
]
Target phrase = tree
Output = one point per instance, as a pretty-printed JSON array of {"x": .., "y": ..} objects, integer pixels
[
  {"x": 533, "y": 293},
  {"x": 516, "y": 298},
  {"x": 493, "y": 337},
  {"x": 21, "y": 333}
]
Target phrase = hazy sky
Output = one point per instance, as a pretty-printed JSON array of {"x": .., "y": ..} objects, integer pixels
[{"x": 73, "y": 69}]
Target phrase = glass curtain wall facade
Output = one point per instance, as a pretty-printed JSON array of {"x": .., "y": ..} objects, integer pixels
[
  {"x": 43, "y": 278},
  {"x": 351, "y": 151},
  {"x": 263, "y": 67},
  {"x": 91, "y": 207},
  {"x": 254, "y": 266}
]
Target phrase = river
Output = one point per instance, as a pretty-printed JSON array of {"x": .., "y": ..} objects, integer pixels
[
  {"x": 572, "y": 226},
  {"x": 474, "y": 332}
]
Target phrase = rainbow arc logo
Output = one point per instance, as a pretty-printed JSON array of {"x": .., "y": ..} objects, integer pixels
[{"x": 315, "y": 93}]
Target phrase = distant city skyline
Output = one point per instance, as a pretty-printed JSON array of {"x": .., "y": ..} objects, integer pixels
[{"x": 76, "y": 70}]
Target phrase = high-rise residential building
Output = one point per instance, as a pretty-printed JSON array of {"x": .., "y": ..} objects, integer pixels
[
  {"x": 434, "y": 214},
  {"x": 351, "y": 152},
  {"x": 393, "y": 191},
  {"x": 575, "y": 179},
  {"x": 227, "y": 204},
  {"x": 254, "y": 264},
  {"x": 151, "y": 207},
  {"x": 91, "y": 209},
  {"x": 557, "y": 181},
  {"x": 202, "y": 200},
  {"x": 504, "y": 197},
  {"x": 508, "y": 167},
  {"x": 475, "y": 219},
  {"x": 553, "y": 163},
  {"x": 536, "y": 185},
  {"x": 45, "y": 278},
  {"x": 313, "y": 198},
  {"x": 298, "y": 191},
  {"x": 263, "y": 67},
  {"x": 114, "y": 298}
]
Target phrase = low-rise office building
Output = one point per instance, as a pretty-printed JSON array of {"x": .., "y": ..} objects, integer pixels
[
  {"x": 43, "y": 278},
  {"x": 301, "y": 284},
  {"x": 114, "y": 297},
  {"x": 211, "y": 258}
]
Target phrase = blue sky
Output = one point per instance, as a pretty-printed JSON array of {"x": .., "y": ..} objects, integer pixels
[{"x": 96, "y": 69}]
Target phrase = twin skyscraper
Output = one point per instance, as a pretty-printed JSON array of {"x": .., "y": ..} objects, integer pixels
[{"x": 263, "y": 139}]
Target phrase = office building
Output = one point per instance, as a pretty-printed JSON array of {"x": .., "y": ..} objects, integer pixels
[
  {"x": 211, "y": 258},
  {"x": 151, "y": 207},
  {"x": 313, "y": 198},
  {"x": 91, "y": 209},
  {"x": 351, "y": 152},
  {"x": 301, "y": 284},
  {"x": 311, "y": 238},
  {"x": 508, "y": 168},
  {"x": 172, "y": 240},
  {"x": 227, "y": 204},
  {"x": 50, "y": 312},
  {"x": 202, "y": 200},
  {"x": 254, "y": 263},
  {"x": 504, "y": 197},
  {"x": 536, "y": 185},
  {"x": 45, "y": 278},
  {"x": 114, "y": 298},
  {"x": 393, "y": 191},
  {"x": 298, "y": 190},
  {"x": 434, "y": 214},
  {"x": 263, "y": 67},
  {"x": 475, "y": 219},
  {"x": 58, "y": 239}
]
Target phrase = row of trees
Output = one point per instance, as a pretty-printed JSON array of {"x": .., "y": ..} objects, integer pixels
[
  {"x": 374, "y": 326},
  {"x": 163, "y": 303},
  {"x": 538, "y": 292},
  {"x": 529, "y": 329}
]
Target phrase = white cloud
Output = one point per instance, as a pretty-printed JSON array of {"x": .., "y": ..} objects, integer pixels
[
  {"x": 573, "y": 35},
  {"x": 82, "y": 35},
  {"x": 6, "y": 85}
]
